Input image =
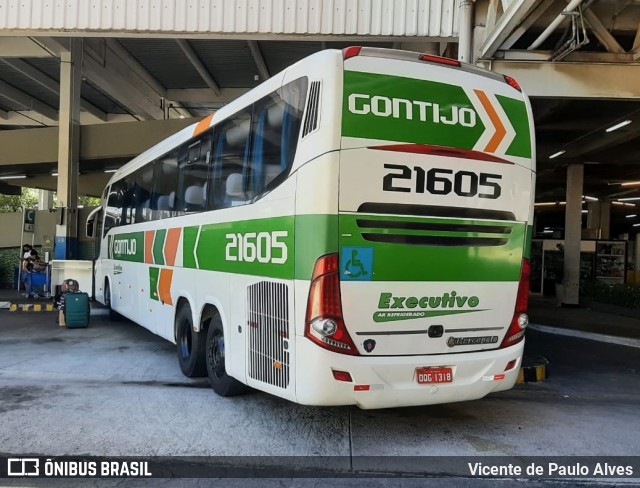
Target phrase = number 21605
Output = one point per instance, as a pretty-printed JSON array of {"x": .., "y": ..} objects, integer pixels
[{"x": 264, "y": 247}]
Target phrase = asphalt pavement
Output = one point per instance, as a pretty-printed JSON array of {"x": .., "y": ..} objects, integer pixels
[{"x": 115, "y": 389}]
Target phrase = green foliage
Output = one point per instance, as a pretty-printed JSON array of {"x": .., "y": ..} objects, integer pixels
[
  {"x": 9, "y": 260},
  {"x": 15, "y": 203},
  {"x": 29, "y": 199},
  {"x": 623, "y": 295}
]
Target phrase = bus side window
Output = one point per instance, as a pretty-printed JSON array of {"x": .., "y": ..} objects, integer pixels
[
  {"x": 165, "y": 186},
  {"x": 231, "y": 151},
  {"x": 193, "y": 169},
  {"x": 115, "y": 206},
  {"x": 143, "y": 189},
  {"x": 276, "y": 127}
]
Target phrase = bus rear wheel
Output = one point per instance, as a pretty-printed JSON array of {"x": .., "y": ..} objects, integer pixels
[
  {"x": 190, "y": 344},
  {"x": 223, "y": 384}
]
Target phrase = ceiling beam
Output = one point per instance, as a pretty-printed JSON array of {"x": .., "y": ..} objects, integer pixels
[
  {"x": 21, "y": 47},
  {"x": 198, "y": 65},
  {"x": 600, "y": 31},
  {"x": 126, "y": 81},
  {"x": 259, "y": 60},
  {"x": 205, "y": 95},
  {"x": 515, "y": 13},
  {"x": 51, "y": 85},
  {"x": 574, "y": 80},
  {"x": 635, "y": 50},
  {"x": 27, "y": 101},
  {"x": 526, "y": 24},
  {"x": 4, "y": 114},
  {"x": 574, "y": 57}
]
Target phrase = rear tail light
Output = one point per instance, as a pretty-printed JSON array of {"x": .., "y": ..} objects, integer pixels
[
  {"x": 440, "y": 60},
  {"x": 512, "y": 82},
  {"x": 350, "y": 52},
  {"x": 520, "y": 318},
  {"x": 324, "y": 322}
]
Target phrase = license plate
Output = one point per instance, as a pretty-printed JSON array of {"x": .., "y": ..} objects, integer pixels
[{"x": 427, "y": 376}]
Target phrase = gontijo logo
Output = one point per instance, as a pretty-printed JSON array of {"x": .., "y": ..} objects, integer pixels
[
  {"x": 392, "y": 308},
  {"x": 126, "y": 247},
  {"x": 401, "y": 108}
]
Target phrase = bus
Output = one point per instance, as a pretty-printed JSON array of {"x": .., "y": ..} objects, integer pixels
[{"x": 353, "y": 231}]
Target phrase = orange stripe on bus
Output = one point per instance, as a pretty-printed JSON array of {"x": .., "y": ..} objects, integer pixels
[
  {"x": 171, "y": 246},
  {"x": 148, "y": 246},
  {"x": 203, "y": 125},
  {"x": 164, "y": 286},
  {"x": 501, "y": 131}
]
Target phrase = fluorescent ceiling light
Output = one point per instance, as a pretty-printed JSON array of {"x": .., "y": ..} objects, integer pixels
[
  {"x": 110, "y": 170},
  {"x": 630, "y": 216},
  {"x": 619, "y": 125},
  {"x": 585, "y": 211},
  {"x": 636, "y": 225},
  {"x": 547, "y": 232},
  {"x": 624, "y": 203},
  {"x": 587, "y": 197},
  {"x": 542, "y": 204},
  {"x": 559, "y": 153},
  {"x": 631, "y": 199},
  {"x": 13, "y": 177},
  {"x": 630, "y": 183},
  {"x": 54, "y": 174}
]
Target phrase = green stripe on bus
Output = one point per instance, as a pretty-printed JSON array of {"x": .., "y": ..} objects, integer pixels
[
  {"x": 154, "y": 275},
  {"x": 424, "y": 112},
  {"x": 239, "y": 247},
  {"x": 128, "y": 247},
  {"x": 190, "y": 234},
  {"x": 316, "y": 235},
  {"x": 410, "y": 262},
  {"x": 158, "y": 246},
  {"x": 516, "y": 110}
]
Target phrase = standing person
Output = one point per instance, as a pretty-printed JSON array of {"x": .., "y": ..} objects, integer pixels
[
  {"x": 26, "y": 251},
  {"x": 27, "y": 269}
]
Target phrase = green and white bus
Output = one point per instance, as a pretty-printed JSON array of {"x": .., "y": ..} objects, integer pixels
[{"x": 353, "y": 231}]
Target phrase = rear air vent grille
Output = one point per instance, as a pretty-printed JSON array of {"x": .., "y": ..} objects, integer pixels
[
  {"x": 268, "y": 331},
  {"x": 313, "y": 109},
  {"x": 433, "y": 231},
  {"x": 435, "y": 211}
]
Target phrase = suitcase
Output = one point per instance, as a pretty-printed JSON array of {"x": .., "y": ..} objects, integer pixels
[{"x": 76, "y": 310}]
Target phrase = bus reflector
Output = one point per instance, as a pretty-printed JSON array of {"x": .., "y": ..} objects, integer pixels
[
  {"x": 511, "y": 365},
  {"x": 440, "y": 60},
  {"x": 361, "y": 387},
  {"x": 512, "y": 82},
  {"x": 350, "y": 52},
  {"x": 342, "y": 376},
  {"x": 324, "y": 322},
  {"x": 520, "y": 319}
]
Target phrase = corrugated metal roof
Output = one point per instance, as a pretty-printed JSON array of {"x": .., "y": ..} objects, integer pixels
[
  {"x": 27, "y": 86},
  {"x": 229, "y": 62},
  {"x": 422, "y": 18},
  {"x": 165, "y": 61},
  {"x": 100, "y": 100}
]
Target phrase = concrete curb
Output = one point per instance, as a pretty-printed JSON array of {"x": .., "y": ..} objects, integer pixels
[
  {"x": 621, "y": 341},
  {"x": 31, "y": 307}
]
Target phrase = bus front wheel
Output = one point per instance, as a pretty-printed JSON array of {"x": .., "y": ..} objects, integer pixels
[
  {"x": 223, "y": 384},
  {"x": 190, "y": 344},
  {"x": 113, "y": 315}
]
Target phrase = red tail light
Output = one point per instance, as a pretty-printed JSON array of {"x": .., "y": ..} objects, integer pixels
[
  {"x": 512, "y": 82},
  {"x": 440, "y": 60},
  {"x": 520, "y": 318},
  {"x": 324, "y": 322},
  {"x": 350, "y": 52}
]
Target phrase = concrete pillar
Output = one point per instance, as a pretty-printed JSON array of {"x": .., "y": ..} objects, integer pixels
[
  {"x": 573, "y": 234},
  {"x": 598, "y": 218},
  {"x": 66, "y": 243},
  {"x": 45, "y": 200}
]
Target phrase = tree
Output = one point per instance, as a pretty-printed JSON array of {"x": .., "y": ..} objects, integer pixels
[
  {"x": 29, "y": 199},
  {"x": 15, "y": 203}
]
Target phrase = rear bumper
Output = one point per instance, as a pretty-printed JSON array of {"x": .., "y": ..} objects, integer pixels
[{"x": 392, "y": 381}]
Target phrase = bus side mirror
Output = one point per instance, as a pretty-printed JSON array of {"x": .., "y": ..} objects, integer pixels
[{"x": 91, "y": 222}]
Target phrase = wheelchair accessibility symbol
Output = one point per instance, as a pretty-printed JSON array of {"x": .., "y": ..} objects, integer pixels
[{"x": 356, "y": 263}]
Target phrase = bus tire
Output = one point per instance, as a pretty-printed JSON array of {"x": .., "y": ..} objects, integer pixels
[
  {"x": 190, "y": 344},
  {"x": 223, "y": 384},
  {"x": 113, "y": 315}
]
